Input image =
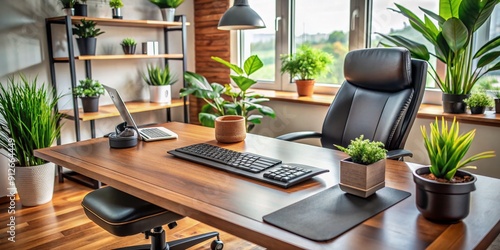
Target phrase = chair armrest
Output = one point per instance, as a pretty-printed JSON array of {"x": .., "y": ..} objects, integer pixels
[
  {"x": 299, "y": 135},
  {"x": 398, "y": 154}
]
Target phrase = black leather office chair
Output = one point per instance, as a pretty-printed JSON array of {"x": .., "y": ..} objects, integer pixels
[
  {"x": 122, "y": 214},
  {"x": 379, "y": 99}
]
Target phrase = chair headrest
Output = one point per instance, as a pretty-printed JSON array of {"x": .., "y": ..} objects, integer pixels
[{"x": 385, "y": 69}]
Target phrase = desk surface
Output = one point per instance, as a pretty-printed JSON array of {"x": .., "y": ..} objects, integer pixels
[{"x": 236, "y": 204}]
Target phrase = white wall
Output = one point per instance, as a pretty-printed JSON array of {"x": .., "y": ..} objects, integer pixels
[{"x": 23, "y": 49}]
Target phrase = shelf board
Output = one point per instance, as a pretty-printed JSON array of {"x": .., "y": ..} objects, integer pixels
[
  {"x": 114, "y": 57},
  {"x": 119, "y": 22},
  {"x": 106, "y": 111}
]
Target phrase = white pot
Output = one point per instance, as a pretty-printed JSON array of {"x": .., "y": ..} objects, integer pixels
[
  {"x": 168, "y": 14},
  {"x": 35, "y": 184},
  {"x": 161, "y": 94}
]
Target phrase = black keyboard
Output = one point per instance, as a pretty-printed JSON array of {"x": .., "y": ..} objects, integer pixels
[{"x": 255, "y": 166}]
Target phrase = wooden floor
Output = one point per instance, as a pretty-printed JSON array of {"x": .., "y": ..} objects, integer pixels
[{"x": 62, "y": 224}]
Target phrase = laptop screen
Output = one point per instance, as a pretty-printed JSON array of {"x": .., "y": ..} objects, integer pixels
[{"x": 120, "y": 105}]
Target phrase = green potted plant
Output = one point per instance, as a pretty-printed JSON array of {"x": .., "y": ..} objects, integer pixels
[
  {"x": 116, "y": 10},
  {"x": 68, "y": 7},
  {"x": 442, "y": 190},
  {"x": 86, "y": 33},
  {"x": 89, "y": 92},
  {"x": 453, "y": 38},
  {"x": 167, "y": 8},
  {"x": 160, "y": 81},
  {"x": 28, "y": 122},
  {"x": 305, "y": 65},
  {"x": 81, "y": 8},
  {"x": 128, "y": 46},
  {"x": 239, "y": 101},
  {"x": 478, "y": 101},
  {"x": 363, "y": 173}
]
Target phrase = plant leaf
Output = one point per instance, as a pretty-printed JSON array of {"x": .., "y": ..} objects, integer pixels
[
  {"x": 449, "y": 8},
  {"x": 490, "y": 57},
  {"x": 417, "y": 50},
  {"x": 252, "y": 64},
  {"x": 455, "y": 33},
  {"x": 243, "y": 82},
  {"x": 474, "y": 13},
  {"x": 493, "y": 43},
  {"x": 234, "y": 67}
]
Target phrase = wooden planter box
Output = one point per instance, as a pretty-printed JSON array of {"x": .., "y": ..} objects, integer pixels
[{"x": 361, "y": 180}]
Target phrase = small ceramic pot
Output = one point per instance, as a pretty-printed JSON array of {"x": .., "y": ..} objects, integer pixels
[{"x": 230, "y": 128}]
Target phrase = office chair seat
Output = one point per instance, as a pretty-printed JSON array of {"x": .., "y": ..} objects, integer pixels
[{"x": 122, "y": 214}]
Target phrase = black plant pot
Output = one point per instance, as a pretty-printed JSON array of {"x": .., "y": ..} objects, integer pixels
[
  {"x": 454, "y": 103},
  {"x": 80, "y": 9},
  {"x": 128, "y": 50},
  {"x": 497, "y": 106},
  {"x": 90, "y": 104},
  {"x": 86, "y": 46},
  {"x": 477, "y": 110},
  {"x": 443, "y": 202}
]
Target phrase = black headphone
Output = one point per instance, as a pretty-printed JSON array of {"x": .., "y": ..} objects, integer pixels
[{"x": 123, "y": 137}]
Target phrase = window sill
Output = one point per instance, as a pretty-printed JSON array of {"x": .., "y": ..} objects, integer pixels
[{"x": 427, "y": 111}]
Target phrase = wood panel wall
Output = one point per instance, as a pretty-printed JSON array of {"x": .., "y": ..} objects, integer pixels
[{"x": 209, "y": 41}]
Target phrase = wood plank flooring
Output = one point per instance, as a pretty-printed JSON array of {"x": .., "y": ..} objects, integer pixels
[{"x": 62, "y": 224}]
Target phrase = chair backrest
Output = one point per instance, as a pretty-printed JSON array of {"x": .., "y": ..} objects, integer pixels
[{"x": 379, "y": 98}]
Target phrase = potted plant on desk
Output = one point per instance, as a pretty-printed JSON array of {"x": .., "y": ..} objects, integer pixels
[
  {"x": 364, "y": 172},
  {"x": 478, "y": 101},
  {"x": 442, "y": 190},
  {"x": 160, "y": 82},
  {"x": 28, "y": 122},
  {"x": 89, "y": 92},
  {"x": 86, "y": 33}
]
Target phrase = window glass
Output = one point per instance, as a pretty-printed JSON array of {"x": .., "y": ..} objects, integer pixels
[{"x": 493, "y": 78}]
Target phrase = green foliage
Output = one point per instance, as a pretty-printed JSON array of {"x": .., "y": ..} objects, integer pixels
[
  {"x": 364, "y": 151},
  {"x": 167, "y": 3},
  {"x": 241, "y": 101},
  {"x": 115, "y": 4},
  {"x": 67, "y": 3},
  {"x": 89, "y": 88},
  {"x": 452, "y": 38},
  {"x": 128, "y": 42},
  {"x": 86, "y": 29},
  {"x": 159, "y": 77},
  {"x": 28, "y": 120},
  {"x": 479, "y": 99},
  {"x": 446, "y": 148},
  {"x": 307, "y": 63}
]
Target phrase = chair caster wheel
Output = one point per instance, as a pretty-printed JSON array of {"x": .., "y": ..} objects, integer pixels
[{"x": 216, "y": 245}]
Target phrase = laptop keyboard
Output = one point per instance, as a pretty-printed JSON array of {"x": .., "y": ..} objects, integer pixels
[
  {"x": 153, "y": 133},
  {"x": 255, "y": 166}
]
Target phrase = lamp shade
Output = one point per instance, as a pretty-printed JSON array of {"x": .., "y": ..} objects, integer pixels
[{"x": 240, "y": 17}]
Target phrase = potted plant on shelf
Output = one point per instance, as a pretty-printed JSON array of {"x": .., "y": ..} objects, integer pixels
[
  {"x": 128, "y": 46},
  {"x": 478, "y": 101},
  {"x": 442, "y": 190},
  {"x": 116, "y": 10},
  {"x": 160, "y": 82},
  {"x": 453, "y": 38},
  {"x": 28, "y": 122},
  {"x": 239, "y": 101},
  {"x": 305, "y": 65},
  {"x": 86, "y": 33},
  {"x": 167, "y": 8},
  {"x": 81, "y": 8},
  {"x": 363, "y": 173},
  {"x": 89, "y": 92},
  {"x": 68, "y": 7}
]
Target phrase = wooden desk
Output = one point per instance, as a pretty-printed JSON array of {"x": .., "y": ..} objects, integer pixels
[{"x": 236, "y": 204}]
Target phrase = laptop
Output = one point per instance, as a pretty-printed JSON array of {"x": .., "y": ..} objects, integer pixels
[{"x": 146, "y": 134}]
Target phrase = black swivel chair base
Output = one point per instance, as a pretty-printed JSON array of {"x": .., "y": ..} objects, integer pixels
[{"x": 122, "y": 214}]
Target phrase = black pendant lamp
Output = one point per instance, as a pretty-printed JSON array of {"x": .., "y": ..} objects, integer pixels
[{"x": 240, "y": 17}]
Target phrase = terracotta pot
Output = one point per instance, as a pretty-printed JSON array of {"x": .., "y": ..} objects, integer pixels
[
  {"x": 361, "y": 180},
  {"x": 35, "y": 184},
  {"x": 305, "y": 87},
  {"x": 230, "y": 128},
  {"x": 442, "y": 202}
]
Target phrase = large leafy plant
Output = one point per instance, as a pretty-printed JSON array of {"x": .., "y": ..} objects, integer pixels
[
  {"x": 239, "y": 101},
  {"x": 306, "y": 64},
  {"x": 28, "y": 120},
  {"x": 453, "y": 38},
  {"x": 446, "y": 148},
  {"x": 364, "y": 151}
]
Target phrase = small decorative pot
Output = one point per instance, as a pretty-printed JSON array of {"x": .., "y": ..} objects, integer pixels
[
  {"x": 361, "y": 180},
  {"x": 305, "y": 87},
  {"x": 168, "y": 14},
  {"x": 129, "y": 49},
  {"x": 90, "y": 104},
  {"x": 442, "y": 202},
  {"x": 477, "y": 110},
  {"x": 160, "y": 94},
  {"x": 86, "y": 46},
  {"x": 116, "y": 13},
  {"x": 69, "y": 11},
  {"x": 80, "y": 9},
  {"x": 35, "y": 184},
  {"x": 454, "y": 104},
  {"x": 230, "y": 128},
  {"x": 497, "y": 106}
]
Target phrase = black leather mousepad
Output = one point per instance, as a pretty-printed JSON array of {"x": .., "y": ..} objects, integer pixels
[{"x": 332, "y": 212}]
